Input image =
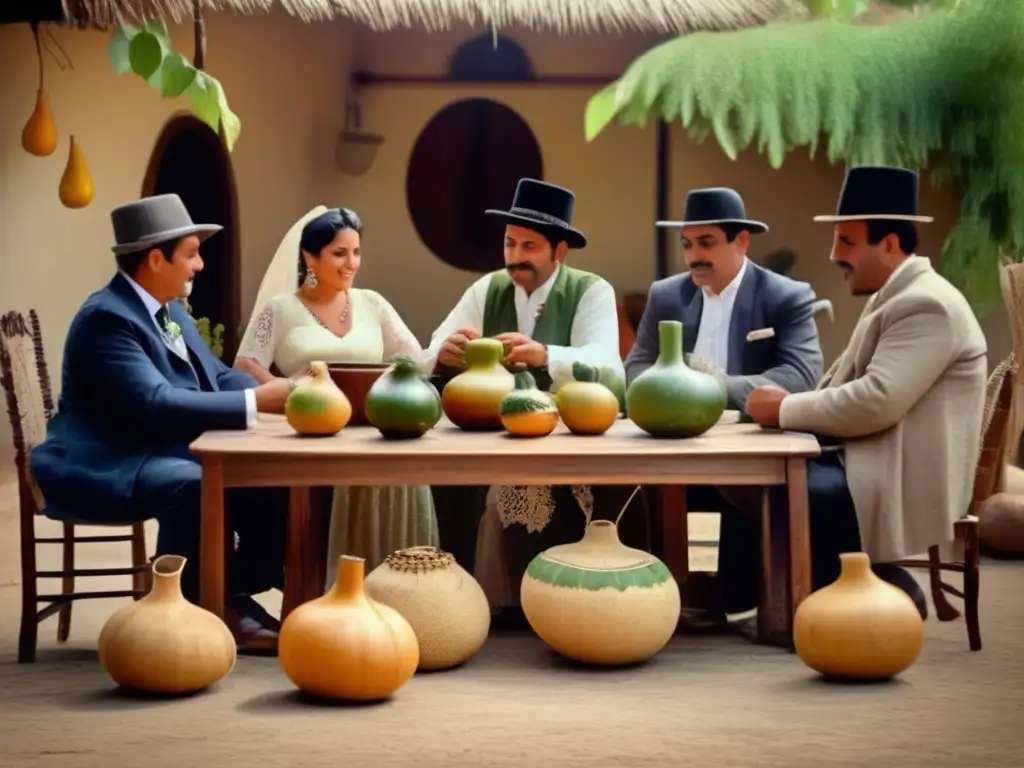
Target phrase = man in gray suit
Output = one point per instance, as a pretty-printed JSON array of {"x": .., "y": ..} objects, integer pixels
[{"x": 751, "y": 324}]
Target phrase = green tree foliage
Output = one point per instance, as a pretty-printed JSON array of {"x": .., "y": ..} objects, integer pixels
[{"x": 943, "y": 91}]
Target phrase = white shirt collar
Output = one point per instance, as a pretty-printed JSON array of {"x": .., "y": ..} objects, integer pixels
[
  {"x": 731, "y": 288},
  {"x": 542, "y": 290},
  {"x": 152, "y": 305}
]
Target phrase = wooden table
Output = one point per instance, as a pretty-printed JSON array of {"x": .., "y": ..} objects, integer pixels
[{"x": 731, "y": 453}]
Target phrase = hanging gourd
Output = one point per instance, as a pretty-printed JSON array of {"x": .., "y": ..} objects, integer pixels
[
  {"x": 587, "y": 406},
  {"x": 76, "y": 190},
  {"x": 526, "y": 411},
  {"x": 39, "y": 136}
]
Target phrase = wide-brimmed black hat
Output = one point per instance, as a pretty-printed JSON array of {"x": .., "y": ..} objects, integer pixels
[
  {"x": 537, "y": 202},
  {"x": 715, "y": 205},
  {"x": 878, "y": 192},
  {"x": 153, "y": 220}
]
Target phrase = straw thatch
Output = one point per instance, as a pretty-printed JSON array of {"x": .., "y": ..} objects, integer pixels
[{"x": 562, "y": 16}]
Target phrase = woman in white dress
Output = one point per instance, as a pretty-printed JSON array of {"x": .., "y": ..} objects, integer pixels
[{"x": 328, "y": 319}]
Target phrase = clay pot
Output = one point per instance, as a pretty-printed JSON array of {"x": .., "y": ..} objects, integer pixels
[
  {"x": 670, "y": 399},
  {"x": 1001, "y": 525},
  {"x": 346, "y": 646},
  {"x": 316, "y": 406},
  {"x": 472, "y": 400},
  {"x": 444, "y": 604},
  {"x": 163, "y": 643},
  {"x": 859, "y": 626},
  {"x": 599, "y": 601},
  {"x": 356, "y": 380},
  {"x": 402, "y": 403}
]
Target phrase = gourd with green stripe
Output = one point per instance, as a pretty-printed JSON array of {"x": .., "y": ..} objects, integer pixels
[{"x": 526, "y": 411}]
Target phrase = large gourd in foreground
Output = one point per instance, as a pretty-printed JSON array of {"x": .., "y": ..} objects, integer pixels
[
  {"x": 599, "y": 601},
  {"x": 163, "y": 643},
  {"x": 472, "y": 400},
  {"x": 346, "y": 646},
  {"x": 670, "y": 399},
  {"x": 859, "y": 627},
  {"x": 444, "y": 604},
  {"x": 317, "y": 406}
]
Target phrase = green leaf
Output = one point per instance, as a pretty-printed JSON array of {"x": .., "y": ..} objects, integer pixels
[
  {"x": 159, "y": 31},
  {"x": 599, "y": 111},
  {"x": 177, "y": 74},
  {"x": 146, "y": 53},
  {"x": 204, "y": 95},
  {"x": 117, "y": 49}
]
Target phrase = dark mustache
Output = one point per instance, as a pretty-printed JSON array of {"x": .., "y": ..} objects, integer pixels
[
  {"x": 520, "y": 266},
  {"x": 701, "y": 265},
  {"x": 845, "y": 265}
]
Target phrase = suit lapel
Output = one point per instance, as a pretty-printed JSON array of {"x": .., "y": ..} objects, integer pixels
[
  {"x": 691, "y": 317},
  {"x": 741, "y": 321}
]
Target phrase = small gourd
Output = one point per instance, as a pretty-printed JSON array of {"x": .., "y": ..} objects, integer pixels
[
  {"x": 317, "y": 406},
  {"x": 401, "y": 403},
  {"x": 587, "y": 406},
  {"x": 39, "y": 136},
  {"x": 76, "y": 188},
  {"x": 526, "y": 411}
]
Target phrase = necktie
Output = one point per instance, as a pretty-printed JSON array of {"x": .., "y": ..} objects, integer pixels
[{"x": 163, "y": 317}]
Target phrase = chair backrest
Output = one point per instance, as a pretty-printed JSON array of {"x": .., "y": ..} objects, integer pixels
[
  {"x": 998, "y": 399},
  {"x": 25, "y": 379}
]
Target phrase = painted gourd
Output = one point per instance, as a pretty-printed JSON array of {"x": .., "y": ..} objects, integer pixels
[
  {"x": 586, "y": 406},
  {"x": 670, "y": 399},
  {"x": 445, "y": 605},
  {"x": 526, "y": 411},
  {"x": 402, "y": 403},
  {"x": 472, "y": 400},
  {"x": 316, "y": 406},
  {"x": 599, "y": 601},
  {"x": 346, "y": 646},
  {"x": 163, "y": 643},
  {"x": 39, "y": 136},
  {"x": 76, "y": 188},
  {"x": 859, "y": 626}
]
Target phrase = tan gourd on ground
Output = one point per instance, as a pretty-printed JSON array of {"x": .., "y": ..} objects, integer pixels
[
  {"x": 76, "y": 190},
  {"x": 345, "y": 645},
  {"x": 163, "y": 643},
  {"x": 859, "y": 626},
  {"x": 445, "y": 605}
]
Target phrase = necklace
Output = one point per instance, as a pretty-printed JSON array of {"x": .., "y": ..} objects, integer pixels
[{"x": 344, "y": 313}]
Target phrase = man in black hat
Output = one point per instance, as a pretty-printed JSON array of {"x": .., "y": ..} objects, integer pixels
[
  {"x": 900, "y": 411},
  {"x": 139, "y": 384},
  {"x": 549, "y": 316},
  {"x": 744, "y": 321}
]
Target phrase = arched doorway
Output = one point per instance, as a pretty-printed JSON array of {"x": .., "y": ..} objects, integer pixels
[{"x": 189, "y": 159}]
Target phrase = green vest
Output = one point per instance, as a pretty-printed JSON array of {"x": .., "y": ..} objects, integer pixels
[{"x": 554, "y": 326}]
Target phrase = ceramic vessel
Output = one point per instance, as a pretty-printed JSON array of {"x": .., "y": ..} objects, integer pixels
[
  {"x": 346, "y": 646},
  {"x": 472, "y": 400},
  {"x": 599, "y": 601},
  {"x": 163, "y": 643},
  {"x": 444, "y": 604},
  {"x": 670, "y": 399},
  {"x": 355, "y": 380},
  {"x": 859, "y": 626},
  {"x": 316, "y": 406},
  {"x": 402, "y": 403}
]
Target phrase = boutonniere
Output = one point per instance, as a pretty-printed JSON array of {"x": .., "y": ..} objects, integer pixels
[
  {"x": 537, "y": 315},
  {"x": 173, "y": 330}
]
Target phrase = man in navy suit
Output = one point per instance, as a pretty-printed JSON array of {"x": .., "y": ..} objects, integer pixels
[
  {"x": 138, "y": 385},
  {"x": 747, "y": 323}
]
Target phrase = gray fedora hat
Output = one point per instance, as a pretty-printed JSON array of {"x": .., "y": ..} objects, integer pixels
[{"x": 153, "y": 220}]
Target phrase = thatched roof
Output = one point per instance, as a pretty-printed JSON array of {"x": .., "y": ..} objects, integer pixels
[{"x": 563, "y": 16}]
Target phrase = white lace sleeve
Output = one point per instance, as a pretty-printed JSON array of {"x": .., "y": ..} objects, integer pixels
[
  {"x": 260, "y": 340},
  {"x": 398, "y": 339}
]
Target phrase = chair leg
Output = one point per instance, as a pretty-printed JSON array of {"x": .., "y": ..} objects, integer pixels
[
  {"x": 141, "y": 580},
  {"x": 28, "y": 636},
  {"x": 67, "y": 586},
  {"x": 944, "y": 611},
  {"x": 967, "y": 530}
]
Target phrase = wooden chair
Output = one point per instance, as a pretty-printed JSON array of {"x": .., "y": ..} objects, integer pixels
[
  {"x": 26, "y": 382},
  {"x": 998, "y": 398}
]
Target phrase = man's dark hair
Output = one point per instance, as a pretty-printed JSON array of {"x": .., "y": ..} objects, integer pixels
[
  {"x": 905, "y": 231},
  {"x": 129, "y": 263},
  {"x": 731, "y": 230}
]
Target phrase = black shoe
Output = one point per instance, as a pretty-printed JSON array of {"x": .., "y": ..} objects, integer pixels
[{"x": 509, "y": 618}]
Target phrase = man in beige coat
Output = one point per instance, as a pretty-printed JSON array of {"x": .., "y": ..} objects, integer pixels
[{"x": 902, "y": 406}]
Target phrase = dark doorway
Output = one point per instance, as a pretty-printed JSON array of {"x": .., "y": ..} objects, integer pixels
[
  {"x": 189, "y": 159},
  {"x": 468, "y": 158}
]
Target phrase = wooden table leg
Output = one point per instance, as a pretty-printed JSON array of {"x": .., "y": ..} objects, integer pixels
[
  {"x": 773, "y": 614},
  {"x": 799, "y": 535},
  {"x": 295, "y": 587},
  {"x": 211, "y": 539},
  {"x": 675, "y": 536}
]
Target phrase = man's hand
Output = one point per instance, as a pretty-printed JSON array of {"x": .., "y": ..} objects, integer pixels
[
  {"x": 764, "y": 403},
  {"x": 270, "y": 397},
  {"x": 453, "y": 351},
  {"x": 523, "y": 349}
]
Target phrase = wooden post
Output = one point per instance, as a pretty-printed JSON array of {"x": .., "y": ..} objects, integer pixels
[{"x": 199, "y": 27}]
